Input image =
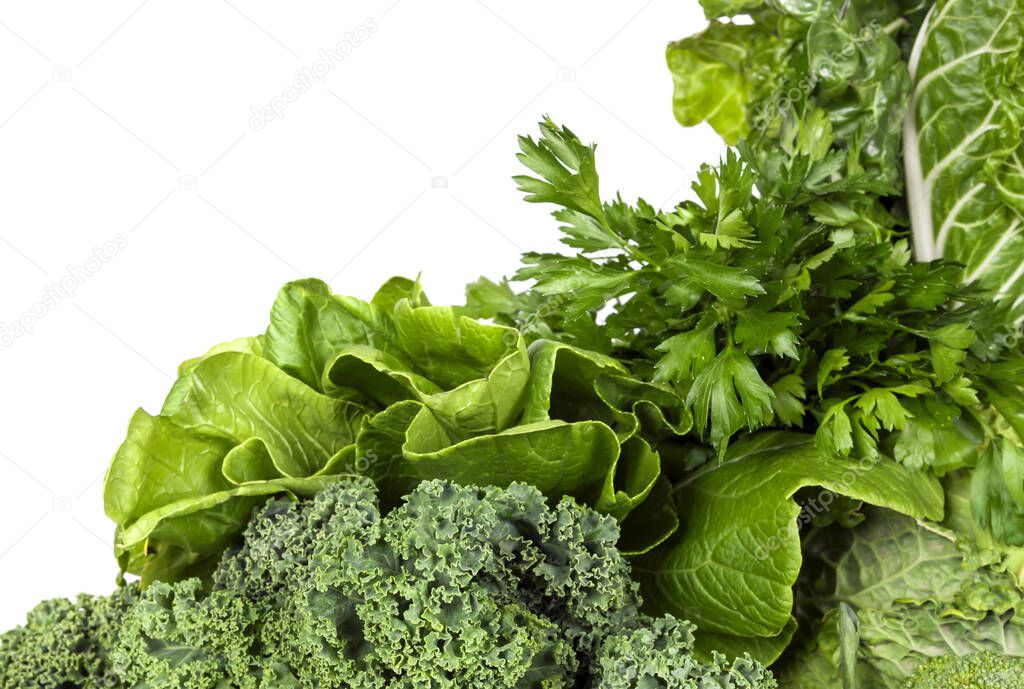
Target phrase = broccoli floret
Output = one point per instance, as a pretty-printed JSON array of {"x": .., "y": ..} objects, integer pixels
[
  {"x": 977, "y": 671},
  {"x": 65, "y": 644},
  {"x": 459, "y": 587}
]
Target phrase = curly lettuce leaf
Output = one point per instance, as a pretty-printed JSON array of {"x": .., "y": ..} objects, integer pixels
[
  {"x": 718, "y": 72},
  {"x": 233, "y": 426},
  {"x": 308, "y": 324},
  {"x": 585, "y": 428},
  {"x": 394, "y": 389}
]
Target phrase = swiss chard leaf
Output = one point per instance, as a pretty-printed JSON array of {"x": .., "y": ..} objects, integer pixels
[{"x": 963, "y": 148}]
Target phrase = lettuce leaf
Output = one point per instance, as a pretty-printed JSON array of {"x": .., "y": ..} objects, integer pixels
[
  {"x": 732, "y": 568},
  {"x": 717, "y": 73},
  {"x": 395, "y": 389},
  {"x": 233, "y": 426}
]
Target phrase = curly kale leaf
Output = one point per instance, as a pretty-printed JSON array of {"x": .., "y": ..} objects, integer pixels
[
  {"x": 66, "y": 644},
  {"x": 458, "y": 587},
  {"x": 643, "y": 657}
]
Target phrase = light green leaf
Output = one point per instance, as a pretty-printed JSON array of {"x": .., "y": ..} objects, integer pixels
[
  {"x": 764, "y": 331},
  {"x": 233, "y": 427},
  {"x": 948, "y": 347},
  {"x": 849, "y": 640},
  {"x": 300, "y": 428},
  {"x": 735, "y": 561},
  {"x": 486, "y": 298},
  {"x": 764, "y": 649},
  {"x": 835, "y": 433},
  {"x": 189, "y": 465},
  {"x": 361, "y": 372},
  {"x": 651, "y": 523},
  {"x": 308, "y": 325},
  {"x": 568, "y": 175},
  {"x": 884, "y": 406},
  {"x": 917, "y": 598},
  {"x": 630, "y": 480},
  {"x": 248, "y": 345},
  {"x": 997, "y": 491},
  {"x": 686, "y": 354},
  {"x": 832, "y": 362},
  {"x": 788, "y": 403},
  {"x": 938, "y": 437},
  {"x": 714, "y": 77},
  {"x": 395, "y": 290},
  {"x": 449, "y": 348},
  {"x": 558, "y": 458}
]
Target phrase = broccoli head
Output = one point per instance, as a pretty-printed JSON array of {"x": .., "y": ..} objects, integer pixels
[
  {"x": 976, "y": 671},
  {"x": 475, "y": 588}
]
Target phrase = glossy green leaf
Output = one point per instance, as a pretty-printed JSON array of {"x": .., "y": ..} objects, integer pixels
[
  {"x": 308, "y": 324},
  {"x": 716, "y": 74},
  {"x": 737, "y": 557},
  {"x": 233, "y": 427}
]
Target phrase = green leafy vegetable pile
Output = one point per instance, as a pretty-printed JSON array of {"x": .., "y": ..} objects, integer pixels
[{"x": 787, "y": 412}]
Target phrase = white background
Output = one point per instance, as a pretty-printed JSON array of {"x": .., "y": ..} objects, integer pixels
[{"x": 130, "y": 125}]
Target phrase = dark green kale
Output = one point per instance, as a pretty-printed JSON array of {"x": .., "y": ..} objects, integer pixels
[
  {"x": 66, "y": 644},
  {"x": 458, "y": 587}
]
